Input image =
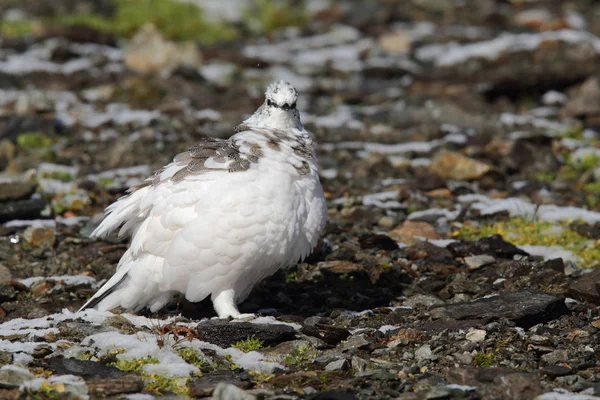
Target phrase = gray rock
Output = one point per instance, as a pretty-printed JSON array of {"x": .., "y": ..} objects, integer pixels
[
  {"x": 13, "y": 376},
  {"x": 10, "y": 190},
  {"x": 355, "y": 342},
  {"x": 422, "y": 300},
  {"x": 476, "y": 262},
  {"x": 555, "y": 357},
  {"x": 227, "y": 391},
  {"x": 525, "y": 308},
  {"x": 5, "y": 274},
  {"x": 338, "y": 365},
  {"x": 224, "y": 333},
  {"x": 586, "y": 287},
  {"x": 424, "y": 353}
]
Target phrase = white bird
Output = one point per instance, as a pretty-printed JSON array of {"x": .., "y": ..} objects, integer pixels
[{"x": 220, "y": 217}]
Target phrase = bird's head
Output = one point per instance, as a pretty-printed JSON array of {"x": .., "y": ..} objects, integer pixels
[{"x": 279, "y": 109}]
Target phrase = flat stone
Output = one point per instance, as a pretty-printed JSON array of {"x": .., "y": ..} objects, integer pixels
[
  {"x": 424, "y": 353},
  {"x": 414, "y": 228},
  {"x": 377, "y": 241},
  {"x": 104, "y": 387},
  {"x": 206, "y": 384},
  {"x": 12, "y": 376},
  {"x": 525, "y": 308},
  {"x": 331, "y": 335},
  {"x": 476, "y": 262},
  {"x": 227, "y": 391},
  {"x": 556, "y": 370},
  {"x": 333, "y": 395},
  {"x": 555, "y": 357},
  {"x": 84, "y": 368},
  {"x": 23, "y": 209},
  {"x": 5, "y": 274},
  {"x": 586, "y": 287},
  {"x": 338, "y": 365},
  {"x": 424, "y": 300},
  {"x": 476, "y": 335},
  {"x": 10, "y": 191},
  {"x": 7, "y": 292},
  {"x": 492, "y": 245},
  {"x": 451, "y": 165},
  {"x": 224, "y": 333}
]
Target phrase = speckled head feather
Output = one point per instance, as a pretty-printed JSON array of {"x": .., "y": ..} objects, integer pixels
[
  {"x": 281, "y": 94},
  {"x": 279, "y": 109}
]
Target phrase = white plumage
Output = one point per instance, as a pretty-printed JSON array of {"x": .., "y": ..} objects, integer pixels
[{"x": 220, "y": 217}]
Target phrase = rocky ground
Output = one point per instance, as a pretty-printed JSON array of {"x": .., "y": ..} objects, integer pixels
[{"x": 459, "y": 152}]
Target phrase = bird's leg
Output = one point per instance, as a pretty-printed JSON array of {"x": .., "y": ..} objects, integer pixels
[{"x": 224, "y": 304}]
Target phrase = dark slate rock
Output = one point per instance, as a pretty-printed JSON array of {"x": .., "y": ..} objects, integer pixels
[
  {"x": 205, "y": 385},
  {"x": 331, "y": 335},
  {"x": 84, "y": 368},
  {"x": 377, "y": 241},
  {"x": 7, "y": 292},
  {"x": 333, "y": 395},
  {"x": 492, "y": 245},
  {"x": 224, "y": 333},
  {"x": 525, "y": 308},
  {"x": 587, "y": 287},
  {"x": 103, "y": 387},
  {"x": 23, "y": 209},
  {"x": 556, "y": 370}
]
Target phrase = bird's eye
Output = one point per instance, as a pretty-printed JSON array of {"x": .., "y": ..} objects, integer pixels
[
  {"x": 269, "y": 102},
  {"x": 293, "y": 105}
]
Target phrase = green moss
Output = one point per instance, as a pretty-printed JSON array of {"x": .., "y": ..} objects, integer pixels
[
  {"x": 575, "y": 132},
  {"x": 592, "y": 187},
  {"x": 133, "y": 364},
  {"x": 250, "y": 344},
  {"x": 483, "y": 359},
  {"x": 585, "y": 163},
  {"x": 58, "y": 175},
  {"x": 33, "y": 140},
  {"x": 161, "y": 384},
  {"x": 174, "y": 19},
  {"x": 545, "y": 177},
  {"x": 191, "y": 356},
  {"x": 105, "y": 182},
  {"x": 267, "y": 16},
  {"x": 86, "y": 355},
  {"x": 291, "y": 277},
  {"x": 301, "y": 355},
  {"x": 13, "y": 29},
  {"x": 520, "y": 231}
]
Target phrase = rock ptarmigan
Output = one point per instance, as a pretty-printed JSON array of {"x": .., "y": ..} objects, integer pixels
[{"x": 221, "y": 216}]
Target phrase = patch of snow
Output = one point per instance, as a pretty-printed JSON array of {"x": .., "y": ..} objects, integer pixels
[
  {"x": 441, "y": 212},
  {"x": 553, "y": 98},
  {"x": 562, "y": 394},
  {"x": 453, "y": 53},
  {"x": 52, "y": 186},
  {"x": 273, "y": 321},
  {"x": 208, "y": 114},
  {"x": 550, "y": 252},
  {"x": 384, "y": 148},
  {"x": 388, "y": 328},
  {"x": 464, "y": 388},
  {"x": 330, "y": 173},
  {"x": 511, "y": 120},
  {"x": 339, "y": 118},
  {"x": 392, "y": 181},
  {"x": 37, "y": 223},
  {"x": 386, "y": 200},
  {"x": 519, "y": 207},
  {"x": 67, "y": 280}
]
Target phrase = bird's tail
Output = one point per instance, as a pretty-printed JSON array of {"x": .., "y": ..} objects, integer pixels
[{"x": 134, "y": 286}]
